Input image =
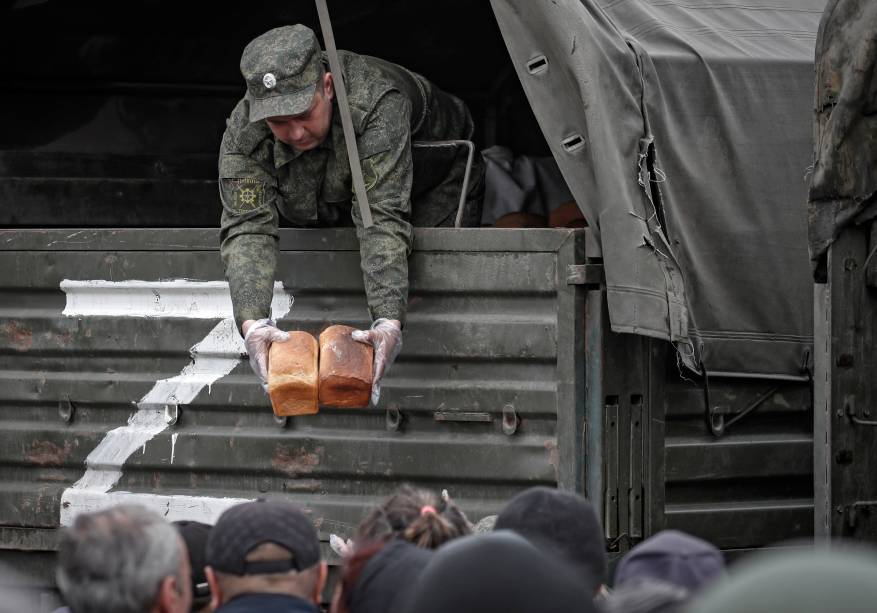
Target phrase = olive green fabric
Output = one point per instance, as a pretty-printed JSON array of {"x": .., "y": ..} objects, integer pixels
[
  {"x": 281, "y": 68},
  {"x": 262, "y": 179},
  {"x": 683, "y": 130}
]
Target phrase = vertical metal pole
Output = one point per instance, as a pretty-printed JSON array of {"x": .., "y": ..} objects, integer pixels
[
  {"x": 344, "y": 109},
  {"x": 822, "y": 416},
  {"x": 594, "y": 457}
]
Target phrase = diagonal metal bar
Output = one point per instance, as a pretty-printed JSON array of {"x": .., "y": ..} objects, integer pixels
[
  {"x": 344, "y": 109},
  {"x": 458, "y": 220}
]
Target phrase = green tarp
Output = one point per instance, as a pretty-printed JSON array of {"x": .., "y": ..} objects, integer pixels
[{"x": 684, "y": 132}]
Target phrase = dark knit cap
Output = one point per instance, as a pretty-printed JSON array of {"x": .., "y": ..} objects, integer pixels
[
  {"x": 561, "y": 523},
  {"x": 500, "y": 572}
]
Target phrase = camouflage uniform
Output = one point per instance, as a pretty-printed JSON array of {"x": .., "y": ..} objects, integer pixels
[
  {"x": 844, "y": 174},
  {"x": 262, "y": 179}
]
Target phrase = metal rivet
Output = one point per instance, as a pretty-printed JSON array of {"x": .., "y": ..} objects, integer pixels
[
  {"x": 281, "y": 420},
  {"x": 850, "y": 264}
]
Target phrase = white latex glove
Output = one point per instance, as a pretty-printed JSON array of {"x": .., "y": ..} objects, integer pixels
[
  {"x": 258, "y": 339},
  {"x": 385, "y": 336}
]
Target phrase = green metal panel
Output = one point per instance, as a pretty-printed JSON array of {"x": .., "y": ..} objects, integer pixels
[
  {"x": 753, "y": 485},
  {"x": 494, "y": 330}
]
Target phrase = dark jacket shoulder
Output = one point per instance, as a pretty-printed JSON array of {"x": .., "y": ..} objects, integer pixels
[{"x": 268, "y": 603}]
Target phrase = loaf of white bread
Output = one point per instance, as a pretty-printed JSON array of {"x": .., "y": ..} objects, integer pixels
[
  {"x": 345, "y": 369},
  {"x": 293, "y": 380}
]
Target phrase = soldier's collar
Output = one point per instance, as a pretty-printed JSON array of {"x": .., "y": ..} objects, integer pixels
[{"x": 284, "y": 154}]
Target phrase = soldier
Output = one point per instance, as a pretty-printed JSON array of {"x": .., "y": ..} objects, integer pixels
[{"x": 283, "y": 154}]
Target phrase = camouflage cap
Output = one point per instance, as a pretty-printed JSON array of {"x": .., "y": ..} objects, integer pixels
[{"x": 281, "y": 68}]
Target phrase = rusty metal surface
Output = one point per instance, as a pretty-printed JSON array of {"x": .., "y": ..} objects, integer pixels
[{"x": 494, "y": 329}]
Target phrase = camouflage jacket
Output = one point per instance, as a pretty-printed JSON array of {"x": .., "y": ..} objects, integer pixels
[
  {"x": 843, "y": 182},
  {"x": 262, "y": 179}
]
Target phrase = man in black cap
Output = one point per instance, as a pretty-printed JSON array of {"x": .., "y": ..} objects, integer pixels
[
  {"x": 283, "y": 155},
  {"x": 265, "y": 556}
]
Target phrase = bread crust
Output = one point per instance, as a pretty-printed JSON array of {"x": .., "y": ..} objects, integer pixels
[
  {"x": 345, "y": 369},
  {"x": 293, "y": 375}
]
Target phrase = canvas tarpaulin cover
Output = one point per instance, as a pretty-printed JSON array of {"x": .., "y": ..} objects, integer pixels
[{"x": 684, "y": 131}]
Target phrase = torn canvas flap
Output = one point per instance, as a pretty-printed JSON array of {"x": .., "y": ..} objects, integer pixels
[
  {"x": 694, "y": 124},
  {"x": 583, "y": 83}
]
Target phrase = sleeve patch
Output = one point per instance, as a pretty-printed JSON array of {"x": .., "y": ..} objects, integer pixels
[{"x": 243, "y": 195}]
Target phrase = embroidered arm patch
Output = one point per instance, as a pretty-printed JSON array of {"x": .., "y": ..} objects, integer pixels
[{"x": 242, "y": 195}]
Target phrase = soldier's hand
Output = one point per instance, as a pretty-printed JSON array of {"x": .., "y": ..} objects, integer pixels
[
  {"x": 258, "y": 338},
  {"x": 385, "y": 336}
]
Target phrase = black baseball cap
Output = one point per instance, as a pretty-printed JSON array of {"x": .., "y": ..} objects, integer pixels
[{"x": 244, "y": 527}]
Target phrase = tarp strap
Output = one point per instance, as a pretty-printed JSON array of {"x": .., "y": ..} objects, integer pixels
[{"x": 344, "y": 108}]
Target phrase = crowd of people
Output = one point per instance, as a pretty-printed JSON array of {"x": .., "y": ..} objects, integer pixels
[{"x": 417, "y": 552}]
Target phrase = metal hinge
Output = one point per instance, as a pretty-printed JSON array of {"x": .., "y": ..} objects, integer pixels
[
  {"x": 850, "y": 410},
  {"x": 585, "y": 274},
  {"x": 857, "y": 510}
]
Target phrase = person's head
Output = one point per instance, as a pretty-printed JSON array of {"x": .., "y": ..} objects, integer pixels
[
  {"x": 499, "y": 572},
  {"x": 803, "y": 580},
  {"x": 377, "y": 576},
  {"x": 288, "y": 86},
  {"x": 561, "y": 523},
  {"x": 194, "y": 536},
  {"x": 124, "y": 559},
  {"x": 264, "y": 547},
  {"x": 671, "y": 557},
  {"x": 417, "y": 516}
]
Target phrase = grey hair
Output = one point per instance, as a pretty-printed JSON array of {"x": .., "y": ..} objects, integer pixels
[{"x": 115, "y": 560}]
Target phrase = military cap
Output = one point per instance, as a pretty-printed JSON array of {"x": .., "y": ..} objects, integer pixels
[{"x": 282, "y": 68}]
